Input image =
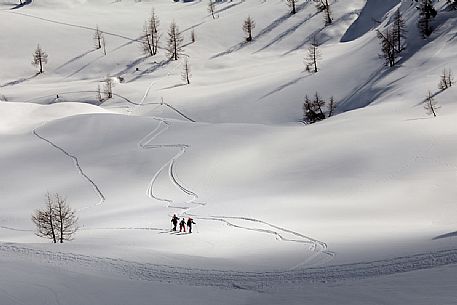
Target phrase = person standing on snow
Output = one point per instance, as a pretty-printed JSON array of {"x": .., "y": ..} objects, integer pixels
[
  {"x": 174, "y": 221},
  {"x": 190, "y": 221},
  {"x": 182, "y": 225}
]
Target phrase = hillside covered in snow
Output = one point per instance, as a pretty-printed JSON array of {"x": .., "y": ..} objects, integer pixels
[{"x": 357, "y": 208}]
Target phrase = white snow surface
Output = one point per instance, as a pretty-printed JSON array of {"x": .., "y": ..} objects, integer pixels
[{"x": 357, "y": 209}]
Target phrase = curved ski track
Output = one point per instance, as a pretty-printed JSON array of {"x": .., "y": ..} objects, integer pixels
[
  {"x": 318, "y": 247},
  {"x": 78, "y": 166}
]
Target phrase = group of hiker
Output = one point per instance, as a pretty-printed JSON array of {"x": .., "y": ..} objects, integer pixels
[{"x": 182, "y": 224}]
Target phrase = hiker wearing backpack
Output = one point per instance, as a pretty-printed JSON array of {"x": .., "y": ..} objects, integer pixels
[
  {"x": 174, "y": 221},
  {"x": 190, "y": 221}
]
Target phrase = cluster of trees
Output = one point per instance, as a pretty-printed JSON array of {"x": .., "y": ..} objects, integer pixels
[
  {"x": 392, "y": 40},
  {"x": 426, "y": 13},
  {"x": 317, "y": 109},
  {"x": 321, "y": 6},
  {"x": 57, "y": 220}
]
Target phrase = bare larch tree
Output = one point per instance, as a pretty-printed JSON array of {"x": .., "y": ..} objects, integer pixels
[
  {"x": 175, "y": 41},
  {"x": 446, "y": 79},
  {"x": 98, "y": 36},
  {"x": 211, "y": 8},
  {"x": 388, "y": 47},
  {"x": 430, "y": 104},
  {"x": 66, "y": 219},
  {"x": 40, "y": 58},
  {"x": 45, "y": 220},
  {"x": 151, "y": 35},
  {"x": 186, "y": 72},
  {"x": 108, "y": 87},
  {"x": 399, "y": 31},
  {"x": 324, "y": 6},
  {"x": 313, "y": 56},
  {"x": 248, "y": 26},
  {"x": 292, "y": 5},
  {"x": 331, "y": 107}
]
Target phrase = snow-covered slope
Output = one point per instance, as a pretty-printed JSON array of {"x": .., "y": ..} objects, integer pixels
[{"x": 272, "y": 198}]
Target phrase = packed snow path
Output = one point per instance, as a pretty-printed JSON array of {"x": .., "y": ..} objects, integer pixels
[{"x": 257, "y": 281}]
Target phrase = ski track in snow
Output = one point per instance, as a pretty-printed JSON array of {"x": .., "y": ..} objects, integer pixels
[
  {"x": 315, "y": 245},
  {"x": 230, "y": 279},
  {"x": 77, "y": 164}
]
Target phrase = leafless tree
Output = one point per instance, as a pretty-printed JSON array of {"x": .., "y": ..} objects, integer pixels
[
  {"x": 331, "y": 106},
  {"x": 248, "y": 26},
  {"x": 98, "y": 36},
  {"x": 431, "y": 105},
  {"x": 108, "y": 87},
  {"x": 175, "y": 41},
  {"x": 40, "y": 58},
  {"x": 151, "y": 35},
  {"x": 399, "y": 31},
  {"x": 313, "y": 56},
  {"x": 324, "y": 6},
  {"x": 292, "y": 5},
  {"x": 192, "y": 36},
  {"x": 99, "y": 94},
  {"x": 211, "y": 8},
  {"x": 186, "y": 73},
  {"x": 67, "y": 221},
  {"x": 45, "y": 220},
  {"x": 104, "y": 45},
  {"x": 446, "y": 79},
  {"x": 389, "y": 52}
]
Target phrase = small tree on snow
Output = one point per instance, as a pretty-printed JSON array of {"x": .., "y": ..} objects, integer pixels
[
  {"x": 108, "y": 87},
  {"x": 248, "y": 26},
  {"x": 175, "y": 41},
  {"x": 431, "y": 105},
  {"x": 99, "y": 94},
  {"x": 211, "y": 8},
  {"x": 192, "y": 36},
  {"x": 331, "y": 107},
  {"x": 426, "y": 13},
  {"x": 446, "y": 80},
  {"x": 45, "y": 220},
  {"x": 151, "y": 35},
  {"x": 40, "y": 58},
  {"x": 98, "y": 36},
  {"x": 56, "y": 221},
  {"x": 388, "y": 43},
  {"x": 313, "y": 56},
  {"x": 292, "y": 5},
  {"x": 104, "y": 45},
  {"x": 66, "y": 219},
  {"x": 324, "y": 6},
  {"x": 399, "y": 31},
  {"x": 186, "y": 73}
]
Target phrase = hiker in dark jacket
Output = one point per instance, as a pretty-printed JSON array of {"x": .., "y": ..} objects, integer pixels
[
  {"x": 182, "y": 226},
  {"x": 174, "y": 221},
  {"x": 190, "y": 221}
]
